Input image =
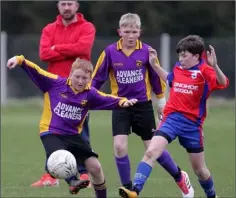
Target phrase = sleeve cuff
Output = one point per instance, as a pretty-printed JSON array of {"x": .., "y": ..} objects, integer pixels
[
  {"x": 20, "y": 59},
  {"x": 122, "y": 101},
  {"x": 159, "y": 96}
]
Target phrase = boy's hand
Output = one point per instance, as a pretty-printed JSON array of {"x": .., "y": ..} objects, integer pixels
[
  {"x": 12, "y": 62},
  {"x": 211, "y": 57},
  {"x": 129, "y": 103},
  {"x": 152, "y": 56}
]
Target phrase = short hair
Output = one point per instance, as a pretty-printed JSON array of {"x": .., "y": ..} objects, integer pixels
[
  {"x": 192, "y": 43},
  {"x": 85, "y": 65},
  {"x": 130, "y": 19},
  {"x": 64, "y": 0}
]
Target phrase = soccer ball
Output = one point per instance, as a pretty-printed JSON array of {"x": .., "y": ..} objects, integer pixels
[{"x": 61, "y": 164}]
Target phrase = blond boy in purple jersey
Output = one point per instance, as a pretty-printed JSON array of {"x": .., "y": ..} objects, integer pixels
[{"x": 126, "y": 63}]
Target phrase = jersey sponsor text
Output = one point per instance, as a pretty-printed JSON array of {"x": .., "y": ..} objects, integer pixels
[
  {"x": 68, "y": 111},
  {"x": 185, "y": 88},
  {"x": 129, "y": 76}
]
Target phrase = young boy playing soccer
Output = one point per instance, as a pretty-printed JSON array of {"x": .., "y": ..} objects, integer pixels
[
  {"x": 59, "y": 49},
  {"x": 66, "y": 104},
  {"x": 191, "y": 83},
  {"x": 127, "y": 64}
]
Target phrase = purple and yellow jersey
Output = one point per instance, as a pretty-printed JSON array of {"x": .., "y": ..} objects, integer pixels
[
  {"x": 131, "y": 76},
  {"x": 65, "y": 109}
]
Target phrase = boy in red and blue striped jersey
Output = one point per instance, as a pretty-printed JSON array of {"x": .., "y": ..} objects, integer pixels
[{"x": 191, "y": 82}]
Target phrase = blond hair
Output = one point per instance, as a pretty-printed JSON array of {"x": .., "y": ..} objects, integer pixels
[
  {"x": 130, "y": 19},
  {"x": 85, "y": 65}
]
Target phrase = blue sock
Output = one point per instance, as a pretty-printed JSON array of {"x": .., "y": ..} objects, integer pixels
[
  {"x": 208, "y": 186},
  {"x": 68, "y": 180},
  {"x": 82, "y": 169},
  {"x": 141, "y": 176},
  {"x": 45, "y": 166}
]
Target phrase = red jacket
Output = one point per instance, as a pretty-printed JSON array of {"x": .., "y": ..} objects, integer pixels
[{"x": 72, "y": 41}]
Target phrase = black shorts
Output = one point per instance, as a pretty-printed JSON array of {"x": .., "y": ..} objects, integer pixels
[
  {"x": 72, "y": 143},
  {"x": 139, "y": 117}
]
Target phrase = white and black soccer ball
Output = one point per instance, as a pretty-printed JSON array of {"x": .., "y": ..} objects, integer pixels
[{"x": 61, "y": 164}]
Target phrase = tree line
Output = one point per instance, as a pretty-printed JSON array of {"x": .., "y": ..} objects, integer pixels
[{"x": 206, "y": 18}]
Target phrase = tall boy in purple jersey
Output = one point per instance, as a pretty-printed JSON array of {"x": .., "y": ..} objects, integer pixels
[
  {"x": 126, "y": 63},
  {"x": 191, "y": 82},
  {"x": 66, "y": 104}
]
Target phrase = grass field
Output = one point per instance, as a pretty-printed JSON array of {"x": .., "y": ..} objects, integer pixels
[{"x": 22, "y": 155}]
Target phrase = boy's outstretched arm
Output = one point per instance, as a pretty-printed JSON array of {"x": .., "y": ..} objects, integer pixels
[
  {"x": 212, "y": 60},
  {"x": 101, "y": 101},
  {"x": 155, "y": 64},
  {"x": 43, "y": 79}
]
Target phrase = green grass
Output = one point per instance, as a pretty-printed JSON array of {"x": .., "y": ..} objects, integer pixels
[{"x": 23, "y": 155}]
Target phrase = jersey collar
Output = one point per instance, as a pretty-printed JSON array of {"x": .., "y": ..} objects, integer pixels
[
  {"x": 68, "y": 82},
  {"x": 138, "y": 45}
]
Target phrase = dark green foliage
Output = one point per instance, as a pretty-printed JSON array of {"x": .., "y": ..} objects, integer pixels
[{"x": 176, "y": 18}]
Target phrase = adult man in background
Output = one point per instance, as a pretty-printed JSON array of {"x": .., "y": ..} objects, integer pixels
[{"x": 62, "y": 41}]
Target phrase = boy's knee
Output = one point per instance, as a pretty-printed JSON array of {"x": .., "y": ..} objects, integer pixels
[
  {"x": 202, "y": 172},
  {"x": 120, "y": 149},
  {"x": 150, "y": 154},
  {"x": 94, "y": 168}
]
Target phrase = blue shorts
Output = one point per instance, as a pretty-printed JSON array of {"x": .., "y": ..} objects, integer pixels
[{"x": 189, "y": 133}]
